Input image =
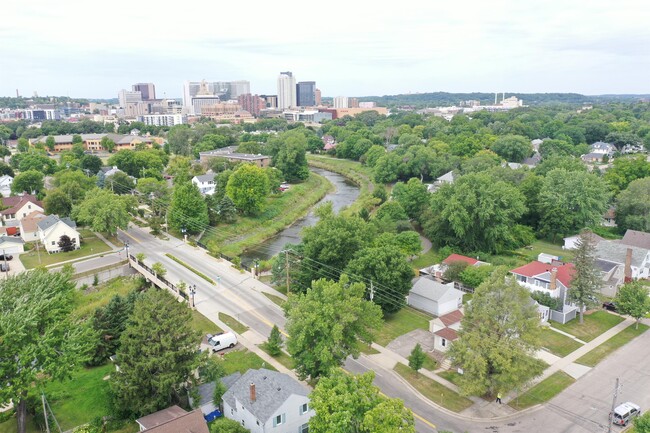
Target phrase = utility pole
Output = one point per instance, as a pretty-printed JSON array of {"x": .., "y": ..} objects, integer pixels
[
  {"x": 47, "y": 424},
  {"x": 4, "y": 256},
  {"x": 372, "y": 291},
  {"x": 611, "y": 414},
  {"x": 286, "y": 264}
]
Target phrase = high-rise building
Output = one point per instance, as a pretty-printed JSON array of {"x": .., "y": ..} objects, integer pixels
[
  {"x": 306, "y": 93},
  {"x": 286, "y": 90},
  {"x": 147, "y": 90},
  {"x": 341, "y": 102},
  {"x": 252, "y": 103},
  {"x": 317, "y": 97},
  {"x": 271, "y": 100},
  {"x": 238, "y": 88},
  {"x": 128, "y": 97},
  {"x": 353, "y": 103}
]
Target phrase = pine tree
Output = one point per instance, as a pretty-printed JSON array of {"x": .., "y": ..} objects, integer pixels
[
  {"x": 417, "y": 358},
  {"x": 274, "y": 343},
  {"x": 586, "y": 279}
]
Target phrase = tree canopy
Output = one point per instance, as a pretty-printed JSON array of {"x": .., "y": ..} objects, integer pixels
[
  {"x": 104, "y": 211},
  {"x": 633, "y": 206},
  {"x": 248, "y": 187},
  {"x": 188, "y": 210}
]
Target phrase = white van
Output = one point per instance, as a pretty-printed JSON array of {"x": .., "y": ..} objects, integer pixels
[
  {"x": 222, "y": 341},
  {"x": 625, "y": 413}
]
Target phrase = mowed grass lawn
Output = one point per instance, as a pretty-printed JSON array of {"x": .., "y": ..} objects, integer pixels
[
  {"x": 543, "y": 391},
  {"x": 433, "y": 390},
  {"x": 90, "y": 244},
  {"x": 558, "y": 344},
  {"x": 242, "y": 361},
  {"x": 405, "y": 320},
  {"x": 540, "y": 246},
  {"x": 599, "y": 353},
  {"x": 594, "y": 324}
]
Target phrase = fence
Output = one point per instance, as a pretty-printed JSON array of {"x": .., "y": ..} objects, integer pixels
[
  {"x": 161, "y": 281},
  {"x": 563, "y": 317}
]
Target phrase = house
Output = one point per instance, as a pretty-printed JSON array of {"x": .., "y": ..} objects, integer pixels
[
  {"x": 533, "y": 161},
  {"x": 262, "y": 161},
  {"x": 609, "y": 218},
  {"x": 571, "y": 242},
  {"x": 50, "y": 230},
  {"x": 18, "y": 207},
  {"x": 329, "y": 142},
  {"x": 173, "y": 420},
  {"x": 5, "y": 185},
  {"x": 635, "y": 238},
  {"x": 434, "y": 297},
  {"x": 205, "y": 183},
  {"x": 445, "y": 329},
  {"x": 620, "y": 263},
  {"x": 11, "y": 245},
  {"x": 267, "y": 401},
  {"x": 553, "y": 279},
  {"x": 29, "y": 228},
  {"x": 439, "y": 269},
  {"x": 598, "y": 151},
  {"x": 205, "y": 402}
]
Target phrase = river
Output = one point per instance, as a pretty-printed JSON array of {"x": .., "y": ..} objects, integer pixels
[{"x": 345, "y": 193}]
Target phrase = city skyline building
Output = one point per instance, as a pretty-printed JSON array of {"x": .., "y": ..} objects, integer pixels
[
  {"x": 147, "y": 90},
  {"x": 306, "y": 93},
  {"x": 286, "y": 90},
  {"x": 239, "y": 87},
  {"x": 126, "y": 97},
  {"x": 254, "y": 104},
  {"x": 340, "y": 102},
  {"x": 318, "y": 97}
]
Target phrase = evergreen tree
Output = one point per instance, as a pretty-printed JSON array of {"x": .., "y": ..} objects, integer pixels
[
  {"x": 416, "y": 359},
  {"x": 109, "y": 322},
  {"x": 274, "y": 343},
  {"x": 586, "y": 280}
]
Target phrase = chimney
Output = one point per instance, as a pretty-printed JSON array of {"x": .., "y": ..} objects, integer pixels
[
  {"x": 628, "y": 265},
  {"x": 553, "y": 284},
  {"x": 252, "y": 389}
]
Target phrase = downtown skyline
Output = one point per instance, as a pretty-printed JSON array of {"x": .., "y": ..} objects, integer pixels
[{"x": 352, "y": 49}]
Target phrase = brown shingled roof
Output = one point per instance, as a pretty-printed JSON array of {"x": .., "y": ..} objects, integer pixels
[
  {"x": 191, "y": 422},
  {"x": 447, "y": 333},
  {"x": 451, "y": 318},
  {"x": 14, "y": 203}
]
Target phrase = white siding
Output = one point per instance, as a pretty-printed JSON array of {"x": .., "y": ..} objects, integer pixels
[
  {"x": 54, "y": 233},
  {"x": 422, "y": 303}
]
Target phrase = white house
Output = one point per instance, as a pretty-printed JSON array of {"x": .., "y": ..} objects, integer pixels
[
  {"x": 448, "y": 177},
  {"x": 29, "y": 226},
  {"x": 598, "y": 151},
  {"x": 205, "y": 183},
  {"x": 553, "y": 279},
  {"x": 445, "y": 329},
  {"x": 18, "y": 207},
  {"x": 5, "y": 185},
  {"x": 434, "y": 297},
  {"x": 571, "y": 242},
  {"x": 51, "y": 229},
  {"x": 11, "y": 245},
  {"x": 267, "y": 401},
  {"x": 439, "y": 269},
  {"x": 620, "y": 262}
]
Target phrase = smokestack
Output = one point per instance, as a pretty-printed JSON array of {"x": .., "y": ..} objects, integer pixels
[
  {"x": 628, "y": 265},
  {"x": 252, "y": 389},
  {"x": 553, "y": 284}
]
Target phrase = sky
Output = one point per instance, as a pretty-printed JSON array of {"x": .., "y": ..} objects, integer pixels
[{"x": 353, "y": 48}]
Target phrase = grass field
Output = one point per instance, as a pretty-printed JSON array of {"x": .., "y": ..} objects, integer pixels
[
  {"x": 540, "y": 246},
  {"x": 94, "y": 297},
  {"x": 281, "y": 211},
  {"x": 594, "y": 324},
  {"x": 543, "y": 391},
  {"x": 233, "y": 323},
  {"x": 451, "y": 376},
  {"x": 405, "y": 320},
  {"x": 90, "y": 244},
  {"x": 429, "y": 258},
  {"x": 558, "y": 344},
  {"x": 275, "y": 299},
  {"x": 203, "y": 324},
  {"x": 599, "y": 353},
  {"x": 433, "y": 390},
  {"x": 241, "y": 361},
  {"x": 282, "y": 358}
]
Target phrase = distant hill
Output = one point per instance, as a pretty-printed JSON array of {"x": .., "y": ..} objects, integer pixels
[{"x": 421, "y": 100}]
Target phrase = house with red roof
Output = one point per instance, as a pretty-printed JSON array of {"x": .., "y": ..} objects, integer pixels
[
  {"x": 553, "y": 279},
  {"x": 445, "y": 329},
  {"x": 439, "y": 269}
]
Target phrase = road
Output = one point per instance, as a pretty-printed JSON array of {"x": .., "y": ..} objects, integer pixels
[{"x": 581, "y": 408}]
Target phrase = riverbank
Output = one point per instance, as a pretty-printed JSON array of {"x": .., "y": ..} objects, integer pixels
[
  {"x": 281, "y": 211},
  {"x": 352, "y": 170}
]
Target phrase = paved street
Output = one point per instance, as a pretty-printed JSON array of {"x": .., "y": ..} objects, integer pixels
[{"x": 583, "y": 407}]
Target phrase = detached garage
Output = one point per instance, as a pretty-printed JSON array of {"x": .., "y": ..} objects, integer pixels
[
  {"x": 434, "y": 297},
  {"x": 11, "y": 245}
]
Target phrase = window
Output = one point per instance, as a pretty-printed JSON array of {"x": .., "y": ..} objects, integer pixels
[
  {"x": 278, "y": 420},
  {"x": 304, "y": 408},
  {"x": 444, "y": 342},
  {"x": 243, "y": 423},
  {"x": 53, "y": 243},
  {"x": 303, "y": 428}
]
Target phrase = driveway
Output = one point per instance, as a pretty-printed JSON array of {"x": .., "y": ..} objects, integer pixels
[{"x": 404, "y": 344}]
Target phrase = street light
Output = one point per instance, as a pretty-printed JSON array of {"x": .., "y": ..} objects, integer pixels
[{"x": 192, "y": 292}]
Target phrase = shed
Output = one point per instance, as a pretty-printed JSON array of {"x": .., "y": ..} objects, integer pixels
[{"x": 434, "y": 297}]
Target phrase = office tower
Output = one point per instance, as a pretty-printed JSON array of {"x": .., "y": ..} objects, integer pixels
[
  {"x": 252, "y": 103},
  {"x": 353, "y": 103},
  {"x": 317, "y": 97},
  {"x": 148, "y": 90},
  {"x": 286, "y": 90},
  {"x": 341, "y": 102},
  {"x": 271, "y": 100},
  {"x": 306, "y": 93},
  {"x": 238, "y": 88},
  {"x": 128, "y": 97}
]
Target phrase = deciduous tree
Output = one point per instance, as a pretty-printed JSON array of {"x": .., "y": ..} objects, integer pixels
[
  {"x": 188, "y": 210},
  {"x": 497, "y": 339},
  {"x": 632, "y": 300},
  {"x": 291, "y": 158},
  {"x": 325, "y": 324},
  {"x": 30, "y": 181},
  {"x": 416, "y": 358},
  {"x": 248, "y": 187},
  {"x": 41, "y": 342},
  {"x": 413, "y": 196},
  {"x": 104, "y": 211},
  {"x": 633, "y": 206}
]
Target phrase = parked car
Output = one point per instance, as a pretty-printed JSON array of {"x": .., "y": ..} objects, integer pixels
[
  {"x": 625, "y": 413},
  {"x": 6, "y": 257},
  {"x": 222, "y": 341},
  {"x": 610, "y": 306}
]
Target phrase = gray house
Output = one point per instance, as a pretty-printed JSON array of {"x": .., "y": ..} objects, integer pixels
[
  {"x": 434, "y": 297},
  {"x": 266, "y": 401}
]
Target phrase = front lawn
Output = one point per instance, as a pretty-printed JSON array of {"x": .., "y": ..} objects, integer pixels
[
  {"x": 433, "y": 390},
  {"x": 203, "y": 324},
  {"x": 242, "y": 361},
  {"x": 282, "y": 358},
  {"x": 233, "y": 323},
  {"x": 82, "y": 398},
  {"x": 90, "y": 244},
  {"x": 599, "y": 353},
  {"x": 594, "y": 324},
  {"x": 543, "y": 391},
  {"x": 558, "y": 344},
  {"x": 451, "y": 376},
  {"x": 400, "y": 323}
]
